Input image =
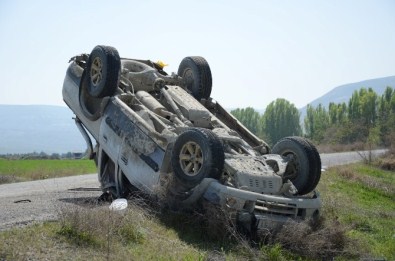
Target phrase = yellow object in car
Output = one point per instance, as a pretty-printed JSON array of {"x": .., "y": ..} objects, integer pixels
[{"x": 161, "y": 64}]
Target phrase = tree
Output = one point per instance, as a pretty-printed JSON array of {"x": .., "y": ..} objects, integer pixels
[
  {"x": 309, "y": 124},
  {"x": 281, "y": 119},
  {"x": 386, "y": 115},
  {"x": 368, "y": 105},
  {"x": 362, "y": 107},
  {"x": 333, "y": 113},
  {"x": 354, "y": 107},
  {"x": 337, "y": 113},
  {"x": 249, "y": 118},
  {"x": 316, "y": 122}
]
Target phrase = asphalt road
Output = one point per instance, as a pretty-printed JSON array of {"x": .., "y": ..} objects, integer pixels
[
  {"x": 28, "y": 202},
  {"x": 342, "y": 158},
  {"x": 24, "y": 203}
]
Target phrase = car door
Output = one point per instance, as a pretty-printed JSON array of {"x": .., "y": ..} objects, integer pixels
[{"x": 136, "y": 154}]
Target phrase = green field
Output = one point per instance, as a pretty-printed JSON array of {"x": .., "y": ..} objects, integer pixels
[
  {"x": 362, "y": 198},
  {"x": 26, "y": 170},
  {"x": 359, "y": 222}
]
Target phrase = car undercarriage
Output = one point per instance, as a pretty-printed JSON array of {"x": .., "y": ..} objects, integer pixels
[{"x": 151, "y": 128}]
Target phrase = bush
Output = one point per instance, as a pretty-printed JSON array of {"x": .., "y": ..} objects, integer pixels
[
  {"x": 387, "y": 162},
  {"x": 97, "y": 227},
  {"x": 320, "y": 240}
]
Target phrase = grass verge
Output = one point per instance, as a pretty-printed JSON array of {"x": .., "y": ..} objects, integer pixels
[
  {"x": 358, "y": 223},
  {"x": 362, "y": 198}
]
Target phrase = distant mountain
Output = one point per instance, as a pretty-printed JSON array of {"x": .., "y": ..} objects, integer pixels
[
  {"x": 344, "y": 92},
  {"x": 50, "y": 129},
  {"x": 37, "y": 128}
]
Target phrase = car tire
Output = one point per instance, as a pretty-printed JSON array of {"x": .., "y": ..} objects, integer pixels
[
  {"x": 318, "y": 165},
  {"x": 197, "y": 154},
  {"x": 103, "y": 71},
  {"x": 196, "y": 75},
  {"x": 307, "y": 172}
]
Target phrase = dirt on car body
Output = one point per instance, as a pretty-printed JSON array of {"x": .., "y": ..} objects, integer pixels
[{"x": 152, "y": 129}]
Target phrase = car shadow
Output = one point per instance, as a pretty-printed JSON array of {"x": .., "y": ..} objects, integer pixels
[{"x": 87, "y": 202}]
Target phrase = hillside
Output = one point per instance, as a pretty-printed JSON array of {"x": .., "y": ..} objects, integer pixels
[
  {"x": 344, "y": 92},
  {"x": 36, "y": 128}
]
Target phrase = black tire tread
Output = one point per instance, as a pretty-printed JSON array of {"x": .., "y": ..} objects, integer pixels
[
  {"x": 112, "y": 72},
  {"x": 218, "y": 153},
  {"x": 203, "y": 70},
  {"x": 314, "y": 164},
  {"x": 317, "y": 160},
  {"x": 214, "y": 165},
  {"x": 313, "y": 174}
]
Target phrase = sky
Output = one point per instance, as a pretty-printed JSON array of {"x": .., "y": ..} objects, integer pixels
[{"x": 258, "y": 51}]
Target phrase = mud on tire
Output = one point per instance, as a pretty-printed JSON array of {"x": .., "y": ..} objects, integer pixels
[
  {"x": 103, "y": 71},
  {"x": 197, "y": 154},
  {"x": 196, "y": 75},
  {"x": 307, "y": 172},
  {"x": 99, "y": 79}
]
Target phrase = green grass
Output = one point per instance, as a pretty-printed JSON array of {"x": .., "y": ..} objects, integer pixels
[
  {"x": 358, "y": 198},
  {"x": 26, "y": 170},
  {"x": 136, "y": 235},
  {"x": 99, "y": 234},
  {"x": 362, "y": 197}
]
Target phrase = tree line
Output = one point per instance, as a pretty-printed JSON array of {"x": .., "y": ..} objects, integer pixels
[
  {"x": 366, "y": 117},
  {"x": 43, "y": 155}
]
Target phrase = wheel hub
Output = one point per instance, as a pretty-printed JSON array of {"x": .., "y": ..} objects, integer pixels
[
  {"x": 189, "y": 79},
  {"x": 293, "y": 166},
  {"x": 191, "y": 158},
  {"x": 96, "y": 71}
]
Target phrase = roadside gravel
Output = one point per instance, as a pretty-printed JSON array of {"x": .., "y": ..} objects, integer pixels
[{"x": 25, "y": 203}]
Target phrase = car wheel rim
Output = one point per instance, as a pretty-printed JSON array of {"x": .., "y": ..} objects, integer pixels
[
  {"x": 191, "y": 158},
  {"x": 96, "y": 71},
  {"x": 295, "y": 168},
  {"x": 189, "y": 79}
]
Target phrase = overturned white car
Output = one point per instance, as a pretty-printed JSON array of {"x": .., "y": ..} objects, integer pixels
[{"x": 151, "y": 127}]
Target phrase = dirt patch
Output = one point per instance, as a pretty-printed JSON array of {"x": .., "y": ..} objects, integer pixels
[
  {"x": 387, "y": 162},
  {"x": 316, "y": 240},
  {"x": 4, "y": 179}
]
